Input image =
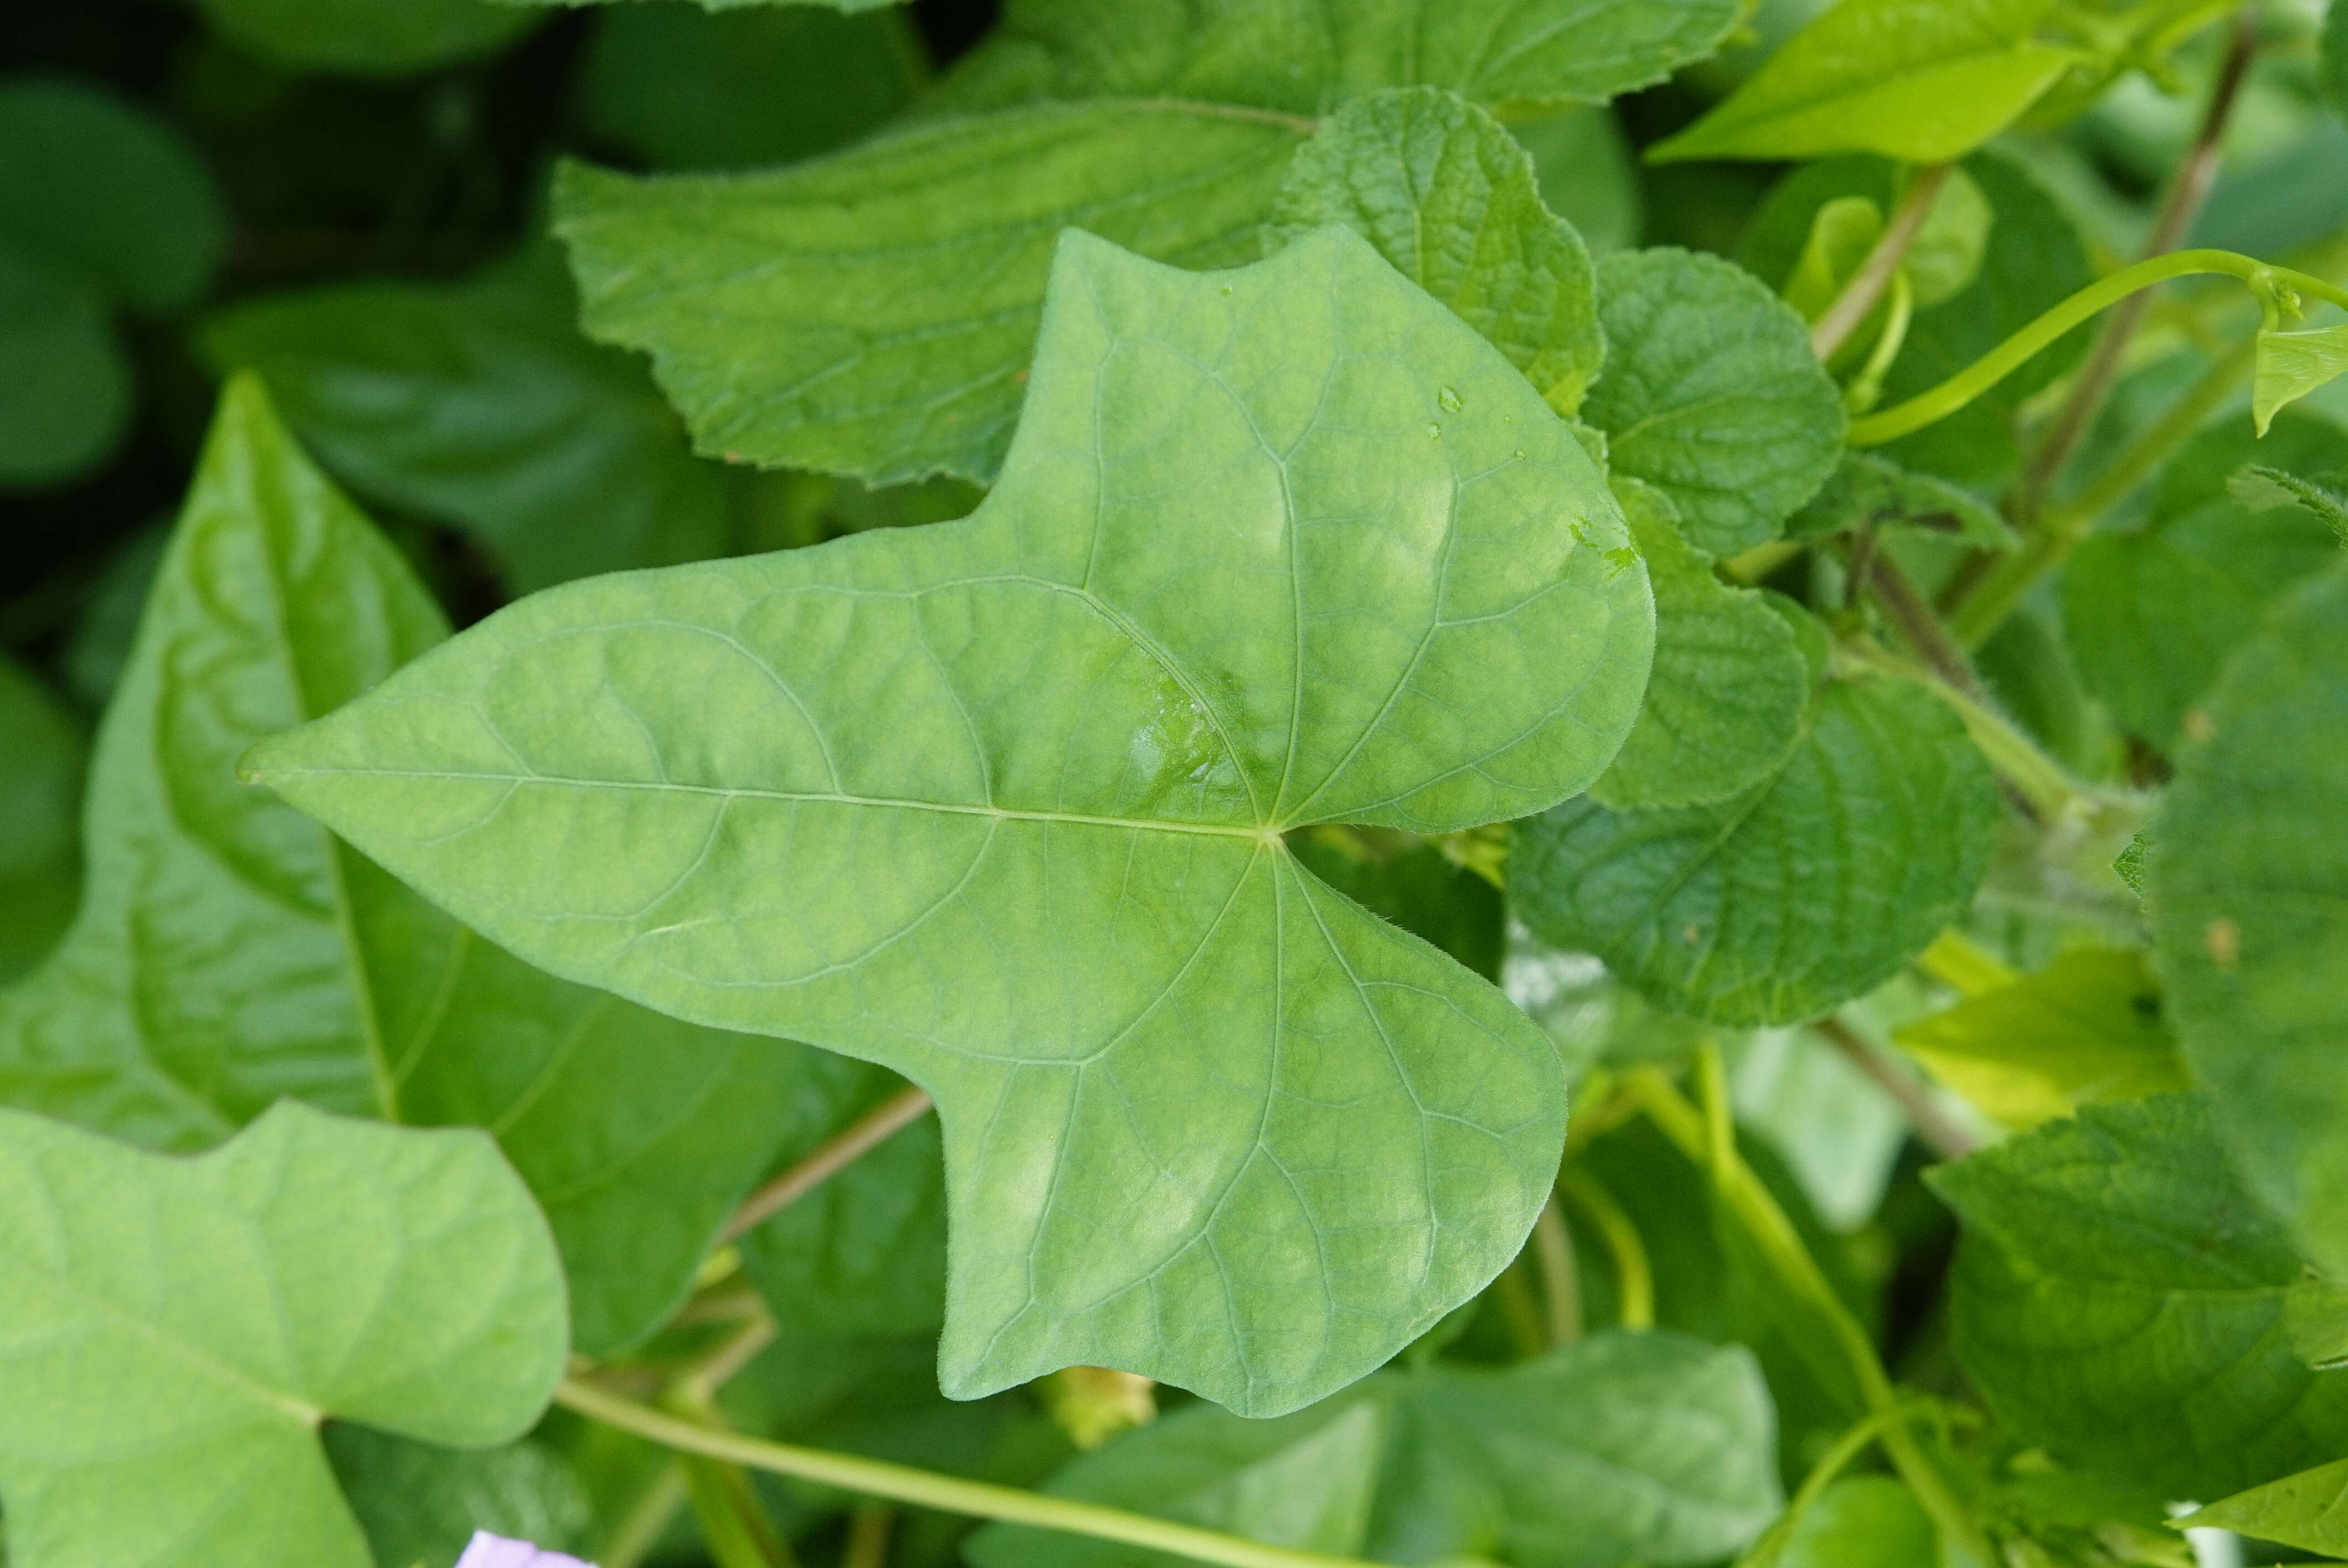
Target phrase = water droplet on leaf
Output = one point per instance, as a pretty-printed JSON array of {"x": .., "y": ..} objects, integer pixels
[{"x": 1450, "y": 401}]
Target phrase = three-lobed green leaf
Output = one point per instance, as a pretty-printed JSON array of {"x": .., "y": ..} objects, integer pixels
[
  {"x": 172, "y": 1330},
  {"x": 998, "y": 804}
]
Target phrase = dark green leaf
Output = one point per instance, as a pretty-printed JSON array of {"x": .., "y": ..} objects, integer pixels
[
  {"x": 369, "y": 37},
  {"x": 682, "y": 88},
  {"x": 2152, "y": 615},
  {"x": 174, "y": 1329},
  {"x": 2249, "y": 900},
  {"x": 419, "y": 1505},
  {"x": 1712, "y": 395},
  {"x": 1000, "y": 805},
  {"x": 2120, "y": 1299},
  {"x": 65, "y": 384},
  {"x": 228, "y": 952},
  {"x": 480, "y": 403},
  {"x": 1807, "y": 890},
  {"x": 110, "y": 193},
  {"x": 1581, "y": 160},
  {"x": 40, "y": 807},
  {"x": 1871, "y": 491},
  {"x": 1447, "y": 195}
]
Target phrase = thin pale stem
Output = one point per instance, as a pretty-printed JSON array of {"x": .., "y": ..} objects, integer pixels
[
  {"x": 1706, "y": 1137},
  {"x": 1875, "y": 273},
  {"x": 1997, "y": 592},
  {"x": 2187, "y": 190},
  {"x": 1918, "y": 627},
  {"x": 868, "y": 1528},
  {"x": 1939, "y": 1135},
  {"x": 647, "y": 1521},
  {"x": 2009, "y": 356},
  {"x": 923, "y": 1488},
  {"x": 858, "y": 1139},
  {"x": 1846, "y": 1447},
  {"x": 1560, "y": 1291},
  {"x": 1634, "y": 1280}
]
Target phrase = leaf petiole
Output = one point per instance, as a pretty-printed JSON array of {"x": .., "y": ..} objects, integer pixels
[
  {"x": 1635, "y": 1279},
  {"x": 2009, "y": 356},
  {"x": 924, "y": 1489}
]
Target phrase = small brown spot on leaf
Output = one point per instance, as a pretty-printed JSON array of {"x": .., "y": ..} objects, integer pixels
[
  {"x": 1690, "y": 935},
  {"x": 2198, "y": 726},
  {"x": 2224, "y": 940}
]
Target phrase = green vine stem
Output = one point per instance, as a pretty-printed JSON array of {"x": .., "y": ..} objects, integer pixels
[
  {"x": 1708, "y": 1138},
  {"x": 924, "y": 1489},
  {"x": 2009, "y": 356},
  {"x": 1635, "y": 1279},
  {"x": 1766, "y": 1551}
]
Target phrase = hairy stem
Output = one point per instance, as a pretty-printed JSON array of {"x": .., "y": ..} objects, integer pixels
[
  {"x": 1858, "y": 296},
  {"x": 2009, "y": 356},
  {"x": 2187, "y": 190},
  {"x": 852, "y": 1142},
  {"x": 923, "y": 1488},
  {"x": 1553, "y": 1250},
  {"x": 2042, "y": 785},
  {"x": 1918, "y": 627},
  {"x": 1634, "y": 1280},
  {"x": 1932, "y": 1125}
]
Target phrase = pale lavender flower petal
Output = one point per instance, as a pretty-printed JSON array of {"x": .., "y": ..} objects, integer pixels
[{"x": 488, "y": 1551}]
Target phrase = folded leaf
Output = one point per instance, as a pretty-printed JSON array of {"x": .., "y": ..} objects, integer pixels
[
  {"x": 2257, "y": 488},
  {"x": 1712, "y": 395},
  {"x": 2293, "y": 364},
  {"x": 1923, "y": 81},
  {"x": 1447, "y": 195},
  {"x": 872, "y": 312},
  {"x": 226, "y": 952},
  {"x": 1771, "y": 907},
  {"x": 2249, "y": 902},
  {"x": 172, "y": 1330},
  {"x": 2120, "y": 1299},
  {"x": 998, "y": 804},
  {"x": 1649, "y": 1448},
  {"x": 1870, "y": 490},
  {"x": 480, "y": 402},
  {"x": 2086, "y": 1027},
  {"x": 1724, "y": 703},
  {"x": 2153, "y": 615}
]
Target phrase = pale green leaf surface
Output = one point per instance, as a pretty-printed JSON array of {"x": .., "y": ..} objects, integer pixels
[
  {"x": 997, "y": 804},
  {"x": 1304, "y": 56},
  {"x": 1870, "y": 490},
  {"x": 1623, "y": 1447},
  {"x": 64, "y": 382},
  {"x": 369, "y": 37},
  {"x": 40, "y": 798},
  {"x": 1870, "y": 1520},
  {"x": 480, "y": 402},
  {"x": 2290, "y": 364},
  {"x": 418, "y": 1503},
  {"x": 2086, "y": 1027},
  {"x": 2152, "y": 615},
  {"x": 2120, "y": 1299},
  {"x": 228, "y": 952},
  {"x": 684, "y": 88},
  {"x": 101, "y": 187},
  {"x": 1412, "y": 884},
  {"x": 1711, "y": 395},
  {"x": 1809, "y": 889},
  {"x": 2250, "y": 901},
  {"x": 1448, "y": 196},
  {"x": 2308, "y": 1510},
  {"x": 1724, "y": 703},
  {"x": 172, "y": 1330},
  {"x": 1923, "y": 81}
]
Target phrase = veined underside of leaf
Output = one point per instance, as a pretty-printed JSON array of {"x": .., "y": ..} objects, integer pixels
[{"x": 998, "y": 804}]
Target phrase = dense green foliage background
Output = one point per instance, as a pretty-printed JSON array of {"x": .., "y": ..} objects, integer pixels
[{"x": 1264, "y": 615}]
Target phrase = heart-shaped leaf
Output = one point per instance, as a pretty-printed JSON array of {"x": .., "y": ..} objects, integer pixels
[
  {"x": 228, "y": 952},
  {"x": 998, "y": 804},
  {"x": 172, "y": 1330}
]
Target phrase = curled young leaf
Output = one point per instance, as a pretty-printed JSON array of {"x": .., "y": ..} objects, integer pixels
[
  {"x": 999, "y": 804},
  {"x": 2293, "y": 364}
]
